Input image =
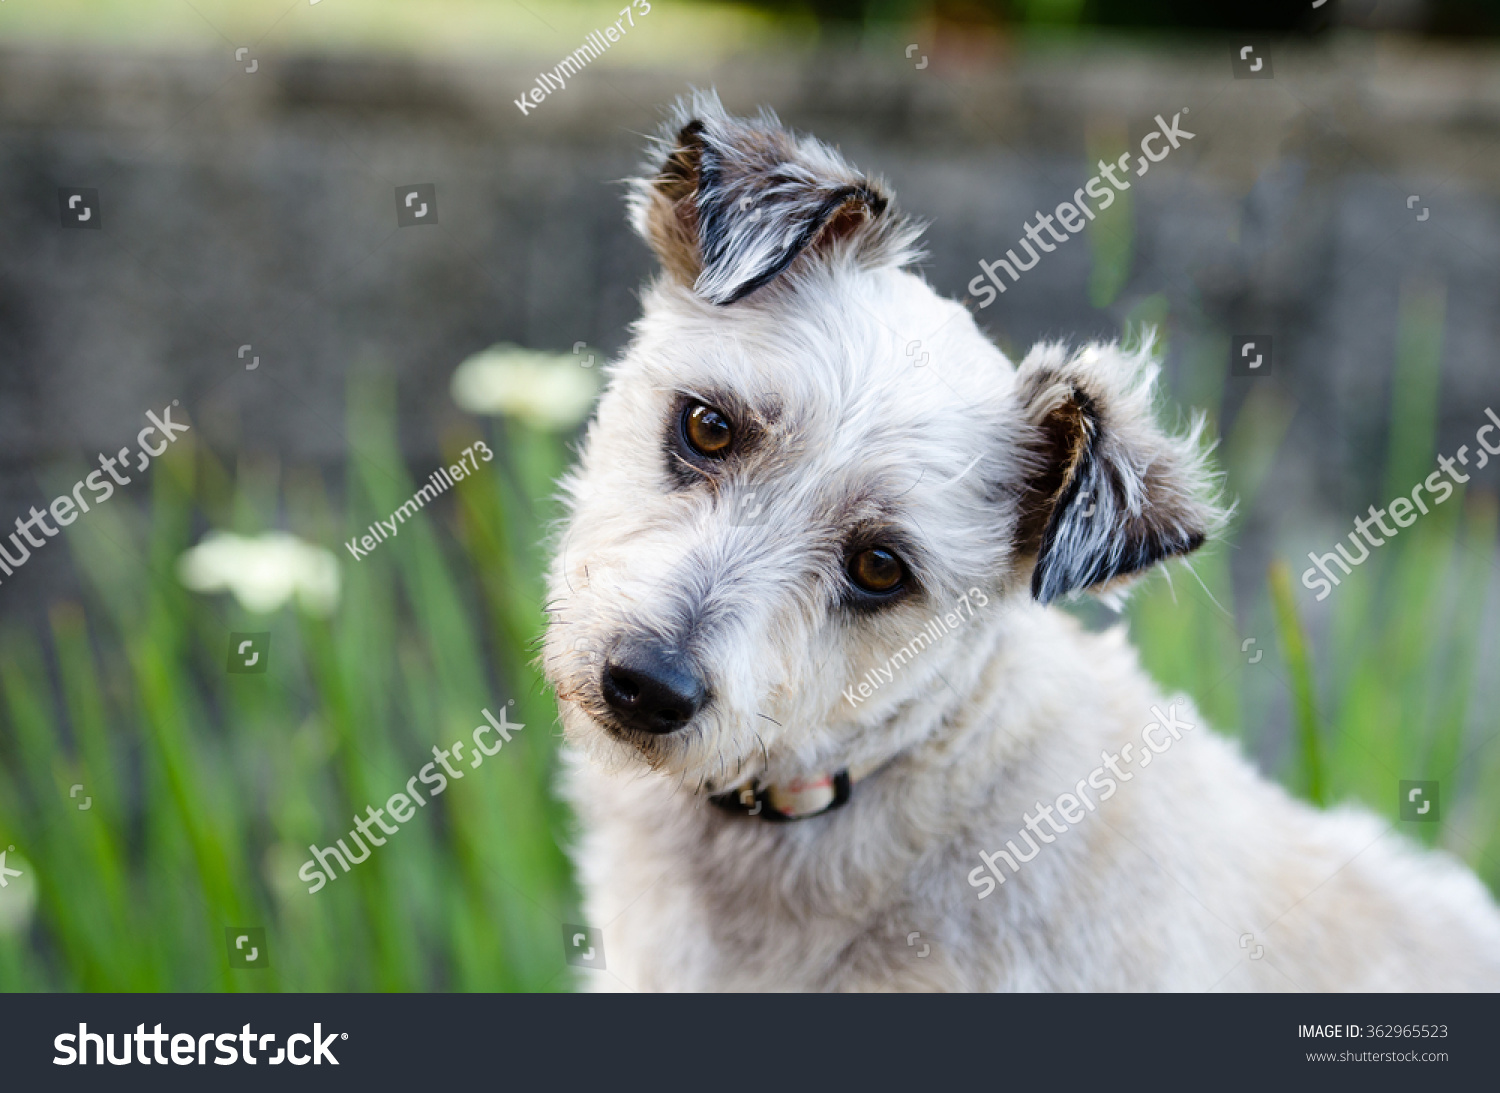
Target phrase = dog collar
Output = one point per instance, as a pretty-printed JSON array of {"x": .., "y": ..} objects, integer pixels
[
  {"x": 796, "y": 800},
  {"x": 799, "y": 799}
]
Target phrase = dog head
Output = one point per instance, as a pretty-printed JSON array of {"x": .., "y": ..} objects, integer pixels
[{"x": 807, "y": 456}]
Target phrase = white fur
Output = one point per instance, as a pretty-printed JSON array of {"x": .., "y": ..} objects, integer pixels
[{"x": 960, "y": 455}]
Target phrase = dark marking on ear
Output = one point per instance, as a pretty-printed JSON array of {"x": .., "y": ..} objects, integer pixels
[
  {"x": 1109, "y": 494},
  {"x": 666, "y": 206},
  {"x": 680, "y": 171},
  {"x": 1092, "y": 538},
  {"x": 734, "y": 203},
  {"x": 1059, "y": 449},
  {"x": 836, "y": 216}
]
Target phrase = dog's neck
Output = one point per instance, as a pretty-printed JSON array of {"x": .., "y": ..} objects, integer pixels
[{"x": 912, "y": 726}]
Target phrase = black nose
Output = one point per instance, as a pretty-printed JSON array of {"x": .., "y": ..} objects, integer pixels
[{"x": 652, "y": 690}]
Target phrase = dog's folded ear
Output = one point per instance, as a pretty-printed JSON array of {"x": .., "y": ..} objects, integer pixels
[
  {"x": 734, "y": 203},
  {"x": 1108, "y": 493}
]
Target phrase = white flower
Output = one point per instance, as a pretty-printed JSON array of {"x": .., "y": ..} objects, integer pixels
[
  {"x": 263, "y": 572},
  {"x": 551, "y": 391},
  {"x": 18, "y": 897}
]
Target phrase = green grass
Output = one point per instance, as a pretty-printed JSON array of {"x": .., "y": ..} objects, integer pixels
[
  {"x": 1391, "y": 693},
  {"x": 207, "y": 788},
  {"x": 1391, "y": 689}
]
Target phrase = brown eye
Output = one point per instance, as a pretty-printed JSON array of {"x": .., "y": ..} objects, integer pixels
[
  {"x": 876, "y": 570},
  {"x": 706, "y": 431}
]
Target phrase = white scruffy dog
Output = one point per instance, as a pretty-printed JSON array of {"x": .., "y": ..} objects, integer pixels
[{"x": 826, "y": 732}]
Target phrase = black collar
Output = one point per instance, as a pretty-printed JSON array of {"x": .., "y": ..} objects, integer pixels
[{"x": 777, "y": 804}]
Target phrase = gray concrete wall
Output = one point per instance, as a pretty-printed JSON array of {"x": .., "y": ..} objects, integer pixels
[{"x": 260, "y": 208}]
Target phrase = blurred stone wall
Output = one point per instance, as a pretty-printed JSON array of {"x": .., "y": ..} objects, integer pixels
[{"x": 260, "y": 209}]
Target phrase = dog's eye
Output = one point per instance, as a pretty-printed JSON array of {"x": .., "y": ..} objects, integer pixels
[
  {"x": 876, "y": 570},
  {"x": 706, "y": 431}
]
